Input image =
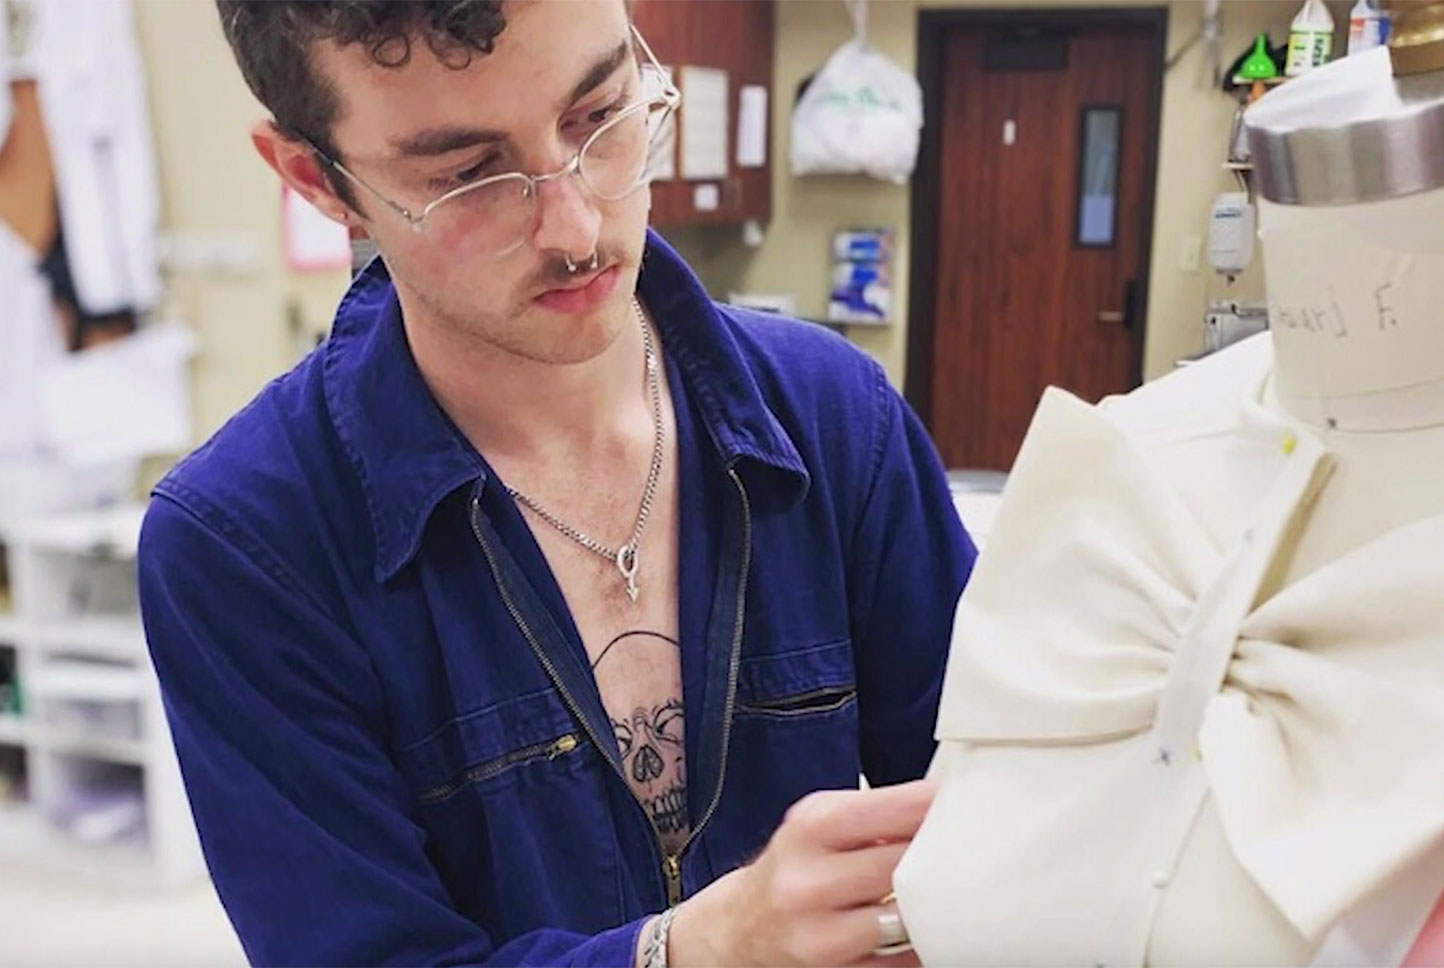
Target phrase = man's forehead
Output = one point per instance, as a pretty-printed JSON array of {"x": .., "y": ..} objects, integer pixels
[{"x": 548, "y": 51}]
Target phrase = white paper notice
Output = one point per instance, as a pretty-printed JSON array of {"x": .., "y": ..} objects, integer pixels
[
  {"x": 662, "y": 165},
  {"x": 314, "y": 243},
  {"x": 704, "y": 123},
  {"x": 752, "y": 126},
  {"x": 706, "y": 198}
]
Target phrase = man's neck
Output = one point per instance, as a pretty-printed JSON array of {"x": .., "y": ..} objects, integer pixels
[{"x": 512, "y": 408}]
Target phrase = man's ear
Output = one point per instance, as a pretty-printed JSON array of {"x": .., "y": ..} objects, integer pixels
[{"x": 296, "y": 163}]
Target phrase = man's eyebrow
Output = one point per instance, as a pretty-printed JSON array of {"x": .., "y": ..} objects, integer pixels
[
  {"x": 604, "y": 68},
  {"x": 433, "y": 142},
  {"x": 441, "y": 141}
]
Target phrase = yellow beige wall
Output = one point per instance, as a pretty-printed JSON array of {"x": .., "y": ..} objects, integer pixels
[
  {"x": 1196, "y": 122},
  {"x": 214, "y": 189}
]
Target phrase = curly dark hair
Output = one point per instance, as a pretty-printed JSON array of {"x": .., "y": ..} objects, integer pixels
[{"x": 272, "y": 42}]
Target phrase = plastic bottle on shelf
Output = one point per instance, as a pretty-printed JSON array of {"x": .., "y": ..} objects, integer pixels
[
  {"x": 1311, "y": 38},
  {"x": 1368, "y": 26}
]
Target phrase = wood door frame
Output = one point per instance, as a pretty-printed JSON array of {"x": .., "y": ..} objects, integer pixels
[{"x": 932, "y": 34}]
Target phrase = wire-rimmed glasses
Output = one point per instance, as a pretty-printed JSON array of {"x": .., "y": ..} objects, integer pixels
[{"x": 498, "y": 213}]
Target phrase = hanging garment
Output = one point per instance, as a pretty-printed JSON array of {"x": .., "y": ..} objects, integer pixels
[
  {"x": 27, "y": 178},
  {"x": 29, "y": 334},
  {"x": 1148, "y": 756},
  {"x": 29, "y": 340},
  {"x": 87, "y": 65},
  {"x": 85, "y": 327}
]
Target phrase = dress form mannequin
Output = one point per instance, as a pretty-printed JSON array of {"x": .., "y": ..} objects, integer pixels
[
  {"x": 1356, "y": 295},
  {"x": 1100, "y": 799},
  {"x": 1370, "y": 378}
]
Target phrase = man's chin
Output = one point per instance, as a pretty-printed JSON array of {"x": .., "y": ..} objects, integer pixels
[{"x": 569, "y": 339}]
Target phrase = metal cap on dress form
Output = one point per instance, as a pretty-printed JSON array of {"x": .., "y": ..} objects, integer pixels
[{"x": 1349, "y": 132}]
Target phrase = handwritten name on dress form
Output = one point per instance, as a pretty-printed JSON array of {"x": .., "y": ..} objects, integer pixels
[{"x": 1327, "y": 317}]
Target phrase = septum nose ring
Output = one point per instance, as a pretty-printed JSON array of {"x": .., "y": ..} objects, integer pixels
[{"x": 572, "y": 267}]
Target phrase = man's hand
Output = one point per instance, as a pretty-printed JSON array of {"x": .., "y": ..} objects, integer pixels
[{"x": 813, "y": 896}]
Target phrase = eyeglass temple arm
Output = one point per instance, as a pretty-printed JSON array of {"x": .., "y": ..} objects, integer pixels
[
  {"x": 401, "y": 210},
  {"x": 671, "y": 88}
]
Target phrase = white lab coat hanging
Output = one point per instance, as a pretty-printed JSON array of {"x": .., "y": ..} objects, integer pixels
[{"x": 86, "y": 60}]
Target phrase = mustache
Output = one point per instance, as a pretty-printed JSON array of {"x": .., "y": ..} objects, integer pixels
[{"x": 554, "y": 273}]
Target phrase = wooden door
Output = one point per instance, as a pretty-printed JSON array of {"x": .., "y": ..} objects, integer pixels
[{"x": 1042, "y": 168}]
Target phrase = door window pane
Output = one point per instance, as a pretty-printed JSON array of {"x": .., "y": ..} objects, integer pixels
[
  {"x": 1098, "y": 178},
  {"x": 1027, "y": 49}
]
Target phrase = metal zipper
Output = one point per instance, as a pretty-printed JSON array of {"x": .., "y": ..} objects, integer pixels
[
  {"x": 671, "y": 866},
  {"x": 671, "y": 862},
  {"x": 551, "y": 750},
  {"x": 736, "y": 664}
]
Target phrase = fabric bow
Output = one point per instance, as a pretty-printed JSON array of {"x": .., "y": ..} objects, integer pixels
[{"x": 1323, "y": 743}]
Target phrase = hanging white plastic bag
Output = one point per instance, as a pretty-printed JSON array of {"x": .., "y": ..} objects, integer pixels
[{"x": 861, "y": 115}]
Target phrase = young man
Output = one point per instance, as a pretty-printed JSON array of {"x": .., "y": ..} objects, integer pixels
[{"x": 432, "y": 613}]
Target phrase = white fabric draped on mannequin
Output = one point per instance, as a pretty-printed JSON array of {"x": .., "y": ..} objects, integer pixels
[{"x": 1151, "y": 752}]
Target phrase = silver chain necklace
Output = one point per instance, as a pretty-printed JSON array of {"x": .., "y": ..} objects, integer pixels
[{"x": 625, "y": 557}]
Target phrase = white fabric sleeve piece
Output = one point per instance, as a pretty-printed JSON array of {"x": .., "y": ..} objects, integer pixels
[{"x": 1382, "y": 930}]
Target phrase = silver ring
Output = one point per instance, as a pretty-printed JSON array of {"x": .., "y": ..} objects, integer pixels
[
  {"x": 892, "y": 934},
  {"x": 572, "y": 267}
]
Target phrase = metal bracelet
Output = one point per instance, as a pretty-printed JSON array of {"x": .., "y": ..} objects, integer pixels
[{"x": 654, "y": 955}]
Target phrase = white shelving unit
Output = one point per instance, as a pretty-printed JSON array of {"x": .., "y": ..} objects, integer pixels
[{"x": 94, "y": 789}]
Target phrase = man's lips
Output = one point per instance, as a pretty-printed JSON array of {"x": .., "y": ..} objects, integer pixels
[
  {"x": 581, "y": 294},
  {"x": 578, "y": 281}
]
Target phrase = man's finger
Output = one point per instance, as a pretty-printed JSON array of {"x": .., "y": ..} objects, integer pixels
[
  {"x": 848, "y": 820},
  {"x": 853, "y": 878}
]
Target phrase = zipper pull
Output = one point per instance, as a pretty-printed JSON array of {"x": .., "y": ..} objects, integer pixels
[
  {"x": 672, "y": 870},
  {"x": 564, "y": 745}
]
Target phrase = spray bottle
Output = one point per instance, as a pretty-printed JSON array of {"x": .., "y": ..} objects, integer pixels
[{"x": 1368, "y": 26}]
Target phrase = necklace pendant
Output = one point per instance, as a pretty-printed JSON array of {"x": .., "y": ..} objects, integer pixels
[{"x": 627, "y": 565}]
